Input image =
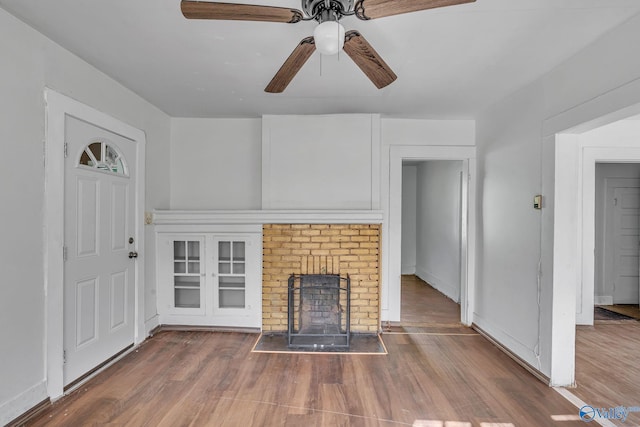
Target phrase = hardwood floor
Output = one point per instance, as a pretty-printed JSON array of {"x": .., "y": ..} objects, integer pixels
[
  {"x": 435, "y": 376},
  {"x": 607, "y": 369},
  {"x": 422, "y": 305}
]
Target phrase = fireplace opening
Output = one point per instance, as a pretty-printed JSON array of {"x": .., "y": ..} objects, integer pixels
[{"x": 319, "y": 311}]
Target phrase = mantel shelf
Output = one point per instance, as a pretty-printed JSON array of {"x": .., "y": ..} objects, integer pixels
[{"x": 213, "y": 217}]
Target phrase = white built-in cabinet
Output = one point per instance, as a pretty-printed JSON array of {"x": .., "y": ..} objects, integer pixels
[
  {"x": 209, "y": 263},
  {"x": 209, "y": 279}
]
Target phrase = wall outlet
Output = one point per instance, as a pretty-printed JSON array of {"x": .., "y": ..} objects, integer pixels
[{"x": 148, "y": 218}]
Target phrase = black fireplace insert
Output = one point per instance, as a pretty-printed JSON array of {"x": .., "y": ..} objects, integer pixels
[{"x": 319, "y": 311}]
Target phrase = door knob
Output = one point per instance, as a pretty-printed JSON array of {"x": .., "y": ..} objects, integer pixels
[{"x": 133, "y": 254}]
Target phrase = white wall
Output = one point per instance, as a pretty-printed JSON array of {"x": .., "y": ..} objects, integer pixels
[
  {"x": 438, "y": 225},
  {"x": 510, "y": 152},
  {"x": 604, "y": 223},
  {"x": 216, "y": 163},
  {"x": 519, "y": 294},
  {"x": 30, "y": 62},
  {"x": 321, "y": 162},
  {"x": 198, "y": 187},
  {"x": 409, "y": 201}
]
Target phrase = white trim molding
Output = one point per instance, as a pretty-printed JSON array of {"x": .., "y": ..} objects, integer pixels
[
  {"x": 392, "y": 233},
  {"x": 248, "y": 217},
  {"x": 58, "y": 108}
]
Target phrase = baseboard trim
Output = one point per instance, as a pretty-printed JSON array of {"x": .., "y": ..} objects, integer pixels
[
  {"x": 604, "y": 300},
  {"x": 189, "y": 328},
  {"x": 17, "y": 408},
  {"x": 101, "y": 367},
  {"x": 451, "y": 292},
  {"x": 533, "y": 371},
  {"x": 30, "y": 414}
]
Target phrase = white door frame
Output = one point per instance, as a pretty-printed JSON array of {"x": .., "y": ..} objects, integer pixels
[
  {"x": 58, "y": 107},
  {"x": 467, "y": 154}
]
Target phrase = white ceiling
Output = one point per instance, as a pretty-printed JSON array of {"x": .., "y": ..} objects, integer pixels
[{"x": 450, "y": 62}]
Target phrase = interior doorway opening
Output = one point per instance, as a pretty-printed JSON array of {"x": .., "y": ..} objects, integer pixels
[
  {"x": 617, "y": 236},
  {"x": 392, "y": 264},
  {"x": 612, "y": 139},
  {"x": 432, "y": 201}
]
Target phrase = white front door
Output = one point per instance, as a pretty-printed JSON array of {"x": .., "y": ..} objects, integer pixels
[
  {"x": 625, "y": 245},
  {"x": 99, "y": 275}
]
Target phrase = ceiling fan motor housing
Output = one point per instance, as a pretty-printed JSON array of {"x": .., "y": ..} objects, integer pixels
[{"x": 327, "y": 10}]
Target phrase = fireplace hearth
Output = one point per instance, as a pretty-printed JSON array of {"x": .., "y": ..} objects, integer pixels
[{"x": 319, "y": 311}]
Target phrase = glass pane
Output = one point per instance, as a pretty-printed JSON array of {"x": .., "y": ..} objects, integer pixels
[
  {"x": 187, "y": 298},
  {"x": 186, "y": 281},
  {"x": 96, "y": 150},
  {"x": 238, "y": 251},
  {"x": 231, "y": 298},
  {"x": 224, "y": 251},
  {"x": 194, "y": 250},
  {"x": 120, "y": 167},
  {"x": 194, "y": 267},
  {"x": 110, "y": 156},
  {"x": 179, "y": 267},
  {"x": 224, "y": 268},
  {"x": 179, "y": 251},
  {"x": 238, "y": 268},
  {"x": 231, "y": 282},
  {"x": 110, "y": 161},
  {"x": 85, "y": 159}
]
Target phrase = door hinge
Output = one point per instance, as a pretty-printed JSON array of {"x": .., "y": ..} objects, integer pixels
[
  {"x": 66, "y": 149},
  {"x": 64, "y": 356},
  {"x": 65, "y": 253},
  {"x": 615, "y": 201}
]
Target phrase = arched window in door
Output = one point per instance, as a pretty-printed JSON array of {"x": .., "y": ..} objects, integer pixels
[{"x": 104, "y": 157}]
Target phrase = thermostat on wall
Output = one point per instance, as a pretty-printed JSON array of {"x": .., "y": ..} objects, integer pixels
[{"x": 537, "y": 202}]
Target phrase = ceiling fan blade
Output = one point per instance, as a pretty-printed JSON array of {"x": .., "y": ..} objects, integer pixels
[
  {"x": 371, "y": 9},
  {"x": 239, "y": 12},
  {"x": 292, "y": 65},
  {"x": 365, "y": 57}
]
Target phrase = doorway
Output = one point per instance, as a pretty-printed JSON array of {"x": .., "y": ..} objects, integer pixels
[
  {"x": 431, "y": 227},
  {"x": 60, "y": 109},
  {"x": 617, "y": 222},
  {"x": 392, "y": 244},
  {"x": 576, "y": 154}
]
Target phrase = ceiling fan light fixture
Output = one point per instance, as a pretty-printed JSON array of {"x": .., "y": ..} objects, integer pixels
[{"x": 329, "y": 37}]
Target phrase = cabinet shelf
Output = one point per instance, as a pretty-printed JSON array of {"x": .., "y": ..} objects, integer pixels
[
  {"x": 228, "y": 294},
  {"x": 187, "y": 277}
]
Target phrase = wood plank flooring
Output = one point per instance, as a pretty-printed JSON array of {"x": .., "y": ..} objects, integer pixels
[
  {"x": 607, "y": 368},
  {"x": 631, "y": 310},
  {"x": 428, "y": 379}
]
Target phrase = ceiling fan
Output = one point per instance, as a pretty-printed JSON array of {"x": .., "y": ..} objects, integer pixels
[{"x": 329, "y": 36}]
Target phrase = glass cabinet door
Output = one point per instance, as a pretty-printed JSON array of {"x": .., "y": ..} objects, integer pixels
[
  {"x": 231, "y": 274},
  {"x": 187, "y": 273}
]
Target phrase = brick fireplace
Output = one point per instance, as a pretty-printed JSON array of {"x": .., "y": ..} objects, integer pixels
[{"x": 342, "y": 249}]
